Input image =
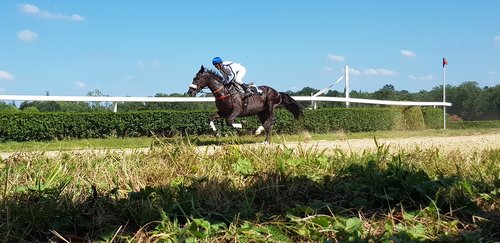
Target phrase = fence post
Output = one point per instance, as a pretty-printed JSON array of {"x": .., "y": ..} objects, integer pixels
[{"x": 347, "y": 86}]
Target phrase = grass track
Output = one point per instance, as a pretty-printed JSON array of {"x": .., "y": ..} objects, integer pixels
[{"x": 179, "y": 193}]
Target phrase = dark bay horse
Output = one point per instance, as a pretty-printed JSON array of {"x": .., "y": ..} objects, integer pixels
[{"x": 231, "y": 103}]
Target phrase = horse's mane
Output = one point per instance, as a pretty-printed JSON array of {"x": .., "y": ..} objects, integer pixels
[{"x": 214, "y": 73}]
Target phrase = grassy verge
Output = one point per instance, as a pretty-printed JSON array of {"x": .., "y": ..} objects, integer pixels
[
  {"x": 146, "y": 142},
  {"x": 254, "y": 194}
]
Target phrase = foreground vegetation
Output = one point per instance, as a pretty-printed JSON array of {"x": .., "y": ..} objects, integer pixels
[{"x": 179, "y": 192}]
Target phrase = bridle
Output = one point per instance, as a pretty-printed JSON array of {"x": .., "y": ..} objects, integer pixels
[{"x": 221, "y": 88}]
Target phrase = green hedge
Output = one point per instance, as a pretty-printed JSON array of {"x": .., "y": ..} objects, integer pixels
[
  {"x": 474, "y": 124},
  {"x": 433, "y": 118},
  {"x": 38, "y": 126},
  {"x": 49, "y": 125}
]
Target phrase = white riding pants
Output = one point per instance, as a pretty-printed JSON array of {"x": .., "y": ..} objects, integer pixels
[{"x": 240, "y": 74}]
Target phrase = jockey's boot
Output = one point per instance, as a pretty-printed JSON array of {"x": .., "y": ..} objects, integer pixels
[{"x": 248, "y": 91}]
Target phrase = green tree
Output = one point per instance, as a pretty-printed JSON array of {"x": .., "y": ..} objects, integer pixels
[
  {"x": 306, "y": 91},
  {"x": 468, "y": 101},
  {"x": 8, "y": 107},
  {"x": 43, "y": 106},
  {"x": 178, "y": 105},
  {"x": 131, "y": 106},
  {"x": 97, "y": 105},
  {"x": 385, "y": 93},
  {"x": 492, "y": 95}
]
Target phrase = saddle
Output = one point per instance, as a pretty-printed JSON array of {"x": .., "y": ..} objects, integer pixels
[
  {"x": 251, "y": 86},
  {"x": 254, "y": 89}
]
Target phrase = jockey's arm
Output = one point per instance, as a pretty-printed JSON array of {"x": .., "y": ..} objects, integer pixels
[{"x": 231, "y": 76}]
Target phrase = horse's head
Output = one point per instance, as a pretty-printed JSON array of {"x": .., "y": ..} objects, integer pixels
[{"x": 200, "y": 81}]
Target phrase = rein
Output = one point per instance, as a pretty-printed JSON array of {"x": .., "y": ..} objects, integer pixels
[
  {"x": 221, "y": 97},
  {"x": 219, "y": 90}
]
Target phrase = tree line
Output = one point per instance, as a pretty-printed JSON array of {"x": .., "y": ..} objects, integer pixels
[{"x": 469, "y": 101}]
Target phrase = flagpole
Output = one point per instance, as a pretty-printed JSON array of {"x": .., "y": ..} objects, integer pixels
[{"x": 444, "y": 93}]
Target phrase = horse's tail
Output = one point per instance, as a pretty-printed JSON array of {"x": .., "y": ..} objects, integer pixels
[{"x": 291, "y": 105}]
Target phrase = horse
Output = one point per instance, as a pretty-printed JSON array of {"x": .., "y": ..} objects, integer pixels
[{"x": 231, "y": 102}]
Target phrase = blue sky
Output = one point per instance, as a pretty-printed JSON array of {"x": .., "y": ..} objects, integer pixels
[{"x": 132, "y": 48}]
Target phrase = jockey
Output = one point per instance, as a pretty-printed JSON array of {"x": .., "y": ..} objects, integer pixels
[{"x": 232, "y": 72}]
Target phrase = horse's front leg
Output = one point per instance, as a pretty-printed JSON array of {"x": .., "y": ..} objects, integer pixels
[
  {"x": 230, "y": 119},
  {"x": 212, "y": 118}
]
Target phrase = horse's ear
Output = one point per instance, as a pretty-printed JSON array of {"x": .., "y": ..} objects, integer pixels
[{"x": 202, "y": 69}]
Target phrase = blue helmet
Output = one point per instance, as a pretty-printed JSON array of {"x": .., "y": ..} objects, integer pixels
[{"x": 216, "y": 60}]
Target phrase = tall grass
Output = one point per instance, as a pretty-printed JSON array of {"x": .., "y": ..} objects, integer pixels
[{"x": 180, "y": 192}]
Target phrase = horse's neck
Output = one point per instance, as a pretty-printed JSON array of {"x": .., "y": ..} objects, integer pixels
[{"x": 215, "y": 86}]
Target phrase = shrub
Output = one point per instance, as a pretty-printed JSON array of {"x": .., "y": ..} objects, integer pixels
[
  {"x": 433, "y": 118},
  {"x": 28, "y": 126},
  {"x": 413, "y": 118},
  {"x": 474, "y": 124}
]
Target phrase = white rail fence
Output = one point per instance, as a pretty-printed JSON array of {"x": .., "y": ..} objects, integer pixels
[
  {"x": 117, "y": 99},
  {"x": 313, "y": 98}
]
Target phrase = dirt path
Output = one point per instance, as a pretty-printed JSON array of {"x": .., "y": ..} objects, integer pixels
[
  {"x": 447, "y": 144},
  {"x": 464, "y": 144}
]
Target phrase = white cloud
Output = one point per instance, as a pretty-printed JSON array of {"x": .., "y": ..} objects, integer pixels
[
  {"x": 6, "y": 75},
  {"x": 327, "y": 69},
  {"x": 354, "y": 71},
  {"x": 379, "y": 72},
  {"x": 492, "y": 73},
  {"x": 2, "y": 90},
  {"x": 77, "y": 17},
  {"x": 407, "y": 53},
  {"x": 80, "y": 84},
  {"x": 34, "y": 10},
  {"x": 496, "y": 39},
  {"x": 27, "y": 35},
  {"x": 29, "y": 9},
  {"x": 335, "y": 58},
  {"x": 140, "y": 64},
  {"x": 156, "y": 64},
  {"x": 148, "y": 64},
  {"x": 427, "y": 77}
]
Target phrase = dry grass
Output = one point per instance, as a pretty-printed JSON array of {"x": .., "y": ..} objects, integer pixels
[{"x": 177, "y": 191}]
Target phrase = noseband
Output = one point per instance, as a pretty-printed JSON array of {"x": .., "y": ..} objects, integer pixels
[{"x": 195, "y": 87}]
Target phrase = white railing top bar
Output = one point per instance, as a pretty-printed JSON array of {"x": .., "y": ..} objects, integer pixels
[
  {"x": 206, "y": 99},
  {"x": 369, "y": 101},
  {"x": 104, "y": 98}
]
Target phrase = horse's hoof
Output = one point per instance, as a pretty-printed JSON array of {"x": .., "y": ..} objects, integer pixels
[
  {"x": 212, "y": 125},
  {"x": 265, "y": 143},
  {"x": 237, "y": 125},
  {"x": 259, "y": 130}
]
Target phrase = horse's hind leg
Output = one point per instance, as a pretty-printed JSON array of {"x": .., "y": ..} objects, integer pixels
[
  {"x": 262, "y": 118},
  {"x": 271, "y": 119},
  {"x": 267, "y": 122}
]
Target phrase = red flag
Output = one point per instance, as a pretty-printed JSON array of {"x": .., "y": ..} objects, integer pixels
[{"x": 444, "y": 62}]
